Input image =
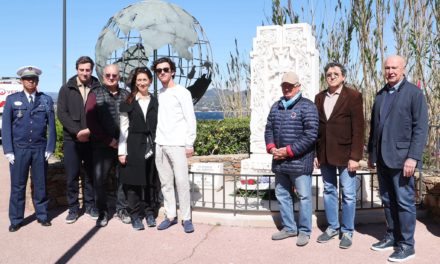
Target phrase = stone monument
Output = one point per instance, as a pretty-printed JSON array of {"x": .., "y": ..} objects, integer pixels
[{"x": 276, "y": 50}]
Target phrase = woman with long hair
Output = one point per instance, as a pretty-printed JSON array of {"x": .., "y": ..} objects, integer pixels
[{"x": 138, "y": 121}]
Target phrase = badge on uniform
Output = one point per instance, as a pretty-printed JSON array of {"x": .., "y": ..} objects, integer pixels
[
  {"x": 293, "y": 115},
  {"x": 20, "y": 113}
]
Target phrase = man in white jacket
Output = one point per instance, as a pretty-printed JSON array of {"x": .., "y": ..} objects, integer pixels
[{"x": 175, "y": 135}]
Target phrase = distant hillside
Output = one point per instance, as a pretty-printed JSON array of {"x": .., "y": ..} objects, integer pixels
[
  {"x": 54, "y": 96},
  {"x": 209, "y": 102}
]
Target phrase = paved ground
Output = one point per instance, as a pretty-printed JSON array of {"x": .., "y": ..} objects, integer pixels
[{"x": 81, "y": 242}]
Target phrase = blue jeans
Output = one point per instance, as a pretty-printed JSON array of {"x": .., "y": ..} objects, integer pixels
[
  {"x": 347, "y": 182},
  {"x": 398, "y": 198},
  {"x": 283, "y": 190}
]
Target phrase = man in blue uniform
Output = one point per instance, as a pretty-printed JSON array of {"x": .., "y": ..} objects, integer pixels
[{"x": 27, "y": 116}]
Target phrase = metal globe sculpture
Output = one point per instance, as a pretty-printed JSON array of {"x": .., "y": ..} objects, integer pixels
[{"x": 145, "y": 31}]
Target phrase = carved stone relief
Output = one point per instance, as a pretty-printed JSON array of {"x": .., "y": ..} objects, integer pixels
[{"x": 276, "y": 50}]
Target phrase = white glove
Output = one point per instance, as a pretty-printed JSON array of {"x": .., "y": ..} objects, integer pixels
[
  {"x": 10, "y": 157},
  {"x": 47, "y": 155}
]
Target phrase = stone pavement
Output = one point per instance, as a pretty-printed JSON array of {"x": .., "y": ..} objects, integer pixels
[{"x": 82, "y": 242}]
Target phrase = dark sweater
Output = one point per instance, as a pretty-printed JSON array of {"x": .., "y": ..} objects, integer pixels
[{"x": 102, "y": 111}]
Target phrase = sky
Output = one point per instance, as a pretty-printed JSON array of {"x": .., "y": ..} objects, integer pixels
[{"x": 31, "y": 31}]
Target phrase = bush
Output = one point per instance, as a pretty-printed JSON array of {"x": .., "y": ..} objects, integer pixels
[
  {"x": 59, "y": 147},
  {"x": 228, "y": 136}
]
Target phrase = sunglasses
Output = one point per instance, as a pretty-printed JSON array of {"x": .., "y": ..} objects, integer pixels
[
  {"x": 29, "y": 78},
  {"x": 159, "y": 70},
  {"x": 108, "y": 75}
]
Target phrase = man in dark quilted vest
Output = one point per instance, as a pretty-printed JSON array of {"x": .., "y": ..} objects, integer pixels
[
  {"x": 290, "y": 135},
  {"x": 102, "y": 112}
]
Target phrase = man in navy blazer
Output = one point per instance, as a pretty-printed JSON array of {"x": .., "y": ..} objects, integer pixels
[
  {"x": 28, "y": 121},
  {"x": 399, "y": 128}
]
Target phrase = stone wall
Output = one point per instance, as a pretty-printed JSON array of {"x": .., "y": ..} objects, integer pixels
[
  {"x": 432, "y": 196},
  {"x": 56, "y": 178}
]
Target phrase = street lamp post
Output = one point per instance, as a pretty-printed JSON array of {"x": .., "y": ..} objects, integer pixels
[{"x": 64, "y": 43}]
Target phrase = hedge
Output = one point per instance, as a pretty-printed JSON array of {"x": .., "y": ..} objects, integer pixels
[{"x": 228, "y": 136}]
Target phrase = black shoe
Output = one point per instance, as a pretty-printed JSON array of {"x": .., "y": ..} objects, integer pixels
[
  {"x": 92, "y": 212},
  {"x": 123, "y": 215},
  {"x": 13, "y": 228},
  {"x": 102, "y": 219},
  {"x": 71, "y": 216},
  {"x": 402, "y": 253},
  {"x": 44, "y": 222},
  {"x": 137, "y": 224},
  {"x": 151, "y": 222},
  {"x": 385, "y": 244}
]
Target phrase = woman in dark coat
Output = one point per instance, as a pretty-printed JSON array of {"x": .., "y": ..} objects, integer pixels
[{"x": 138, "y": 121}]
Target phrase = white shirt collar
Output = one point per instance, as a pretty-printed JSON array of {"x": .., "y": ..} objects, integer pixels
[{"x": 28, "y": 94}]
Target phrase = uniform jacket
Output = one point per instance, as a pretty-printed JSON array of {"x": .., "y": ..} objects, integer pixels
[
  {"x": 25, "y": 126},
  {"x": 341, "y": 137},
  {"x": 295, "y": 128},
  {"x": 405, "y": 128},
  {"x": 139, "y": 171},
  {"x": 71, "y": 107}
]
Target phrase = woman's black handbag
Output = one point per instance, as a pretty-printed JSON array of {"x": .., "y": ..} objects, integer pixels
[{"x": 149, "y": 151}]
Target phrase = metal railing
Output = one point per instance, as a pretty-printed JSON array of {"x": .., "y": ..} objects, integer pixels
[{"x": 255, "y": 193}]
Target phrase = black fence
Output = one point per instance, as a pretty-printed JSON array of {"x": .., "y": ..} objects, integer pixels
[{"x": 255, "y": 193}]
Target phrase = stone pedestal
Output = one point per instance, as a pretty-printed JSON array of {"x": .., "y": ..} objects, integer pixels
[{"x": 276, "y": 50}]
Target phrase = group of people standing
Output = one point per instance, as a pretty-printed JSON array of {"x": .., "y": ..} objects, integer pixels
[
  {"x": 146, "y": 140},
  {"x": 333, "y": 128}
]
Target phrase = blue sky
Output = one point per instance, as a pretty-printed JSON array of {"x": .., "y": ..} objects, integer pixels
[{"x": 31, "y": 31}]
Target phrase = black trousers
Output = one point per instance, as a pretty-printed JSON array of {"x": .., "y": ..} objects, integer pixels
[
  {"x": 104, "y": 158},
  {"x": 75, "y": 155},
  {"x": 138, "y": 206}
]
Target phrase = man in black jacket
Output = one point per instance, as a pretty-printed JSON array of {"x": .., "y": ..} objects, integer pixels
[{"x": 77, "y": 149}]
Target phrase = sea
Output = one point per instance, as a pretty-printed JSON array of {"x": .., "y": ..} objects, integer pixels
[{"x": 209, "y": 115}]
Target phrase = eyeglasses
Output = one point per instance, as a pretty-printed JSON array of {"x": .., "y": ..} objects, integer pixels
[
  {"x": 159, "y": 70},
  {"x": 329, "y": 75},
  {"x": 108, "y": 75}
]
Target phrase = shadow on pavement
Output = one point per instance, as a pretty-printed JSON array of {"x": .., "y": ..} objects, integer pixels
[
  {"x": 78, "y": 245},
  {"x": 29, "y": 219},
  {"x": 376, "y": 230},
  {"x": 431, "y": 226}
]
